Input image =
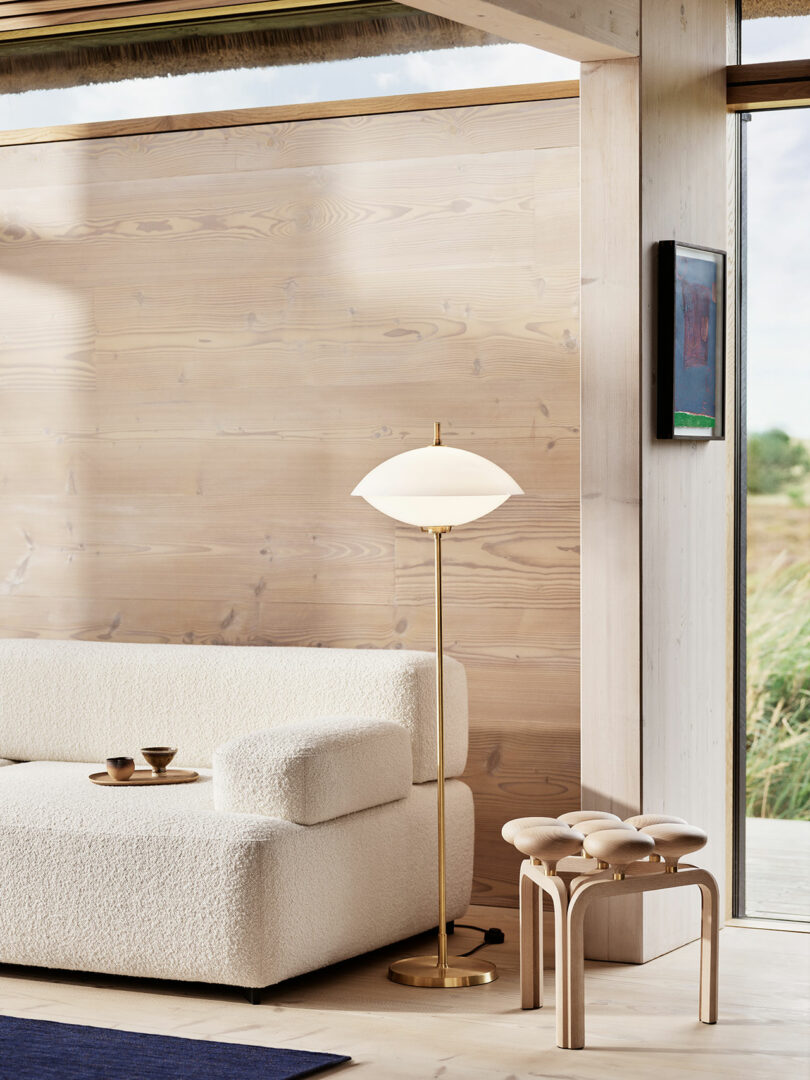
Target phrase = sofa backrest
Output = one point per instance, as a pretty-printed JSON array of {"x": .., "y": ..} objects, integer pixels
[{"x": 89, "y": 700}]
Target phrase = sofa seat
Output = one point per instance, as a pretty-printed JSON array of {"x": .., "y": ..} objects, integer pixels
[{"x": 154, "y": 882}]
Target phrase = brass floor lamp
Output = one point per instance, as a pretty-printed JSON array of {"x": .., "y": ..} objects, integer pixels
[{"x": 436, "y": 488}]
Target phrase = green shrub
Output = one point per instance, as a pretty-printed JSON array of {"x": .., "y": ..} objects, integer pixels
[
  {"x": 774, "y": 460},
  {"x": 778, "y": 692}
]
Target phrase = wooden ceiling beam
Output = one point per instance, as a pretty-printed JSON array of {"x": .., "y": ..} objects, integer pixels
[
  {"x": 782, "y": 85},
  {"x": 22, "y": 20},
  {"x": 587, "y": 30}
]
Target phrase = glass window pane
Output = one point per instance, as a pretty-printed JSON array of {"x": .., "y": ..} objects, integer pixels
[
  {"x": 167, "y": 71},
  {"x": 777, "y": 875},
  {"x": 765, "y": 36}
]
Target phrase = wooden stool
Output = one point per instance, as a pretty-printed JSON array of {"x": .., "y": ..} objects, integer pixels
[{"x": 574, "y": 882}]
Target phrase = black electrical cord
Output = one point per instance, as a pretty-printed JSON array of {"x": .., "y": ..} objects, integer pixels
[{"x": 492, "y": 936}]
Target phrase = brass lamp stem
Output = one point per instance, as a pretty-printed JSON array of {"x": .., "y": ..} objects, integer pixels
[{"x": 437, "y": 548}]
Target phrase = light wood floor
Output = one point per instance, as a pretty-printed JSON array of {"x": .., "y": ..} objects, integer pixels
[{"x": 641, "y": 1021}]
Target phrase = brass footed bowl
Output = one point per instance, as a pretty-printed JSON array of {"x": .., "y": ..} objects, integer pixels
[{"x": 158, "y": 757}]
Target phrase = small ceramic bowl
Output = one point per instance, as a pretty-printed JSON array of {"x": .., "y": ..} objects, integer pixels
[
  {"x": 158, "y": 757},
  {"x": 120, "y": 768}
]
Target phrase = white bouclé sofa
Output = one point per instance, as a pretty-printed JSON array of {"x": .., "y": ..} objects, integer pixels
[{"x": 310, "y": 836}]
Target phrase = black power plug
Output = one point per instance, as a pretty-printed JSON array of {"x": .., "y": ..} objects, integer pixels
[{"x": 493, "y": 936}]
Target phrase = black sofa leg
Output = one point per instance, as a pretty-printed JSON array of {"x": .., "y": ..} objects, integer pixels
[{"x": 450, "y": 927}]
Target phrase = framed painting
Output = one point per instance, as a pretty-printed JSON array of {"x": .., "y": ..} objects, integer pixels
[{"x": 691, "y": 341}]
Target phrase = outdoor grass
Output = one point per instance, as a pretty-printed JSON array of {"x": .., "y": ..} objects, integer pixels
[{"x": 778, "y": 658}]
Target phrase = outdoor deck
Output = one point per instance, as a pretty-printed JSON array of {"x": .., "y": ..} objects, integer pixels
[{"x": 777, "y": 869}]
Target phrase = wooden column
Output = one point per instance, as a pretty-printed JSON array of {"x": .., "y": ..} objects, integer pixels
[
  {"x": 653, "y": 512},
  {"x": 610, "y": 602}
]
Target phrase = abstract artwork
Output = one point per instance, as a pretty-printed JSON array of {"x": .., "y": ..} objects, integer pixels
[{"x": 691, "y": 341}]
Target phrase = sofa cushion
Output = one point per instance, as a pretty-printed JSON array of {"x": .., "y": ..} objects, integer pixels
[
  {"x": 89, "y": 700},
  {"x": 151, "y": 881},
  {"x": 312, "y": 773},
  {"x": 5, "y": 761}
]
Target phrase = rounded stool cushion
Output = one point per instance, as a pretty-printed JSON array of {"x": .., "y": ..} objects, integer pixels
[
  {"x": 641, "y": 821},
  {"x": 519, "y": 824},
  {"x": 672, "y": 841},
  {"x": 619, "y": 846},
  {"x": 549, "y": 842},
  {"x": 575, "y": 816},
  {"x": 600, "y": 825}
]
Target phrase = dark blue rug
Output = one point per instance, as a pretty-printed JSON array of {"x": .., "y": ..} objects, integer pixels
[{"x": 42, "y": 1050}]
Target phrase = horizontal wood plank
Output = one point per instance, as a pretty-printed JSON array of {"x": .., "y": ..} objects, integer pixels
[
  {"x": 361, "y": 109},
  {"x": 775, "y": 85}
]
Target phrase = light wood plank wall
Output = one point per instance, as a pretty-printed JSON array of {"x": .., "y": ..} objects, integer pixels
[{"x": 207, "y": 337}]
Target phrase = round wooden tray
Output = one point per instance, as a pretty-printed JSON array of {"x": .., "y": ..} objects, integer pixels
[{"x": 145, "y": 777}]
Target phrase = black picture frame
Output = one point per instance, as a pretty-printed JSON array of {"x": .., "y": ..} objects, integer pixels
[{"x": 681, "y": 307}]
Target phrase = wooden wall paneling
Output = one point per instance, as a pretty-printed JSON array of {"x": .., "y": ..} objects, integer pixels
[
  {"x": 186, "y": 621},
  {"x": 211, "y": 335}
]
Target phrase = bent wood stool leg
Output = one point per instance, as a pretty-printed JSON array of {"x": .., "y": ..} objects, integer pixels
[
  {"x": 709, "y": 949},
  {"x": 587, "y": 888},
  {"x": 573, "y": 1035},
  {"x": 558, "y": 892},
  {"x": 531, "y": 943},
  {"x": 556, "y": 888}
]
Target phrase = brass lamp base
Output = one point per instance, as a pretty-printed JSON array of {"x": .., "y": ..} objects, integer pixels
[{"x": 459, "y": 971}]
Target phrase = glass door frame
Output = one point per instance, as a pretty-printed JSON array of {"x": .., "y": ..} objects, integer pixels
[
  {"x": 739, "y": 748},
  {"x": 764, "y": 87},
  {"x": 740, "y": 525}
]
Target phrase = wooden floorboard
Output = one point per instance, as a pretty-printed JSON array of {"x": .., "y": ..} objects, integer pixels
[{"x": 641, "y": 1021}]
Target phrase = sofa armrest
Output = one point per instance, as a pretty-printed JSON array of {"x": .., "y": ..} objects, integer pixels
[{"x": 314, "y": 772}]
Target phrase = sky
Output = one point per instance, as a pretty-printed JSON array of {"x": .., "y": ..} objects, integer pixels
[
  {"x": 778, "y": 167},
  {"x": 775, "y": 39},
  {"x": 778, "y": 243},
  {"x": 443, "y": 69},
  {"x": 778, "y": 276}
]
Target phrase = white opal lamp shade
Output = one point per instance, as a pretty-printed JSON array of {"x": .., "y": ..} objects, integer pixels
[{"x": 436, "y": 486}]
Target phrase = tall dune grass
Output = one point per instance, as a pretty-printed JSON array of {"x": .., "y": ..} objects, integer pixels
[{"x": 778, "y": 692}]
